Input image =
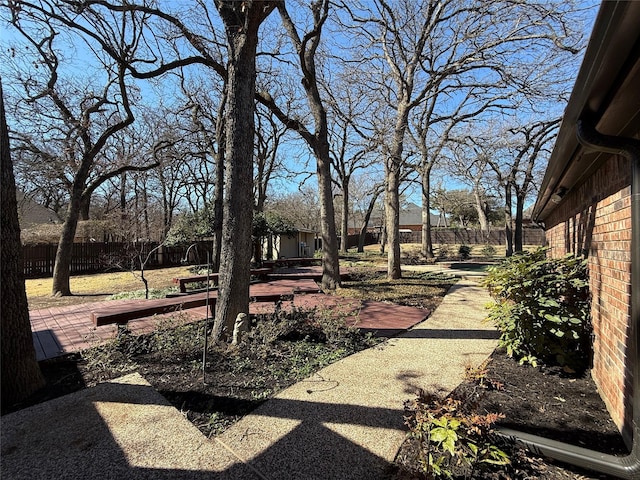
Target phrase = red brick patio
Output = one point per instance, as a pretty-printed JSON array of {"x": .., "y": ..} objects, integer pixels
[{"x": 61, "y": 330}]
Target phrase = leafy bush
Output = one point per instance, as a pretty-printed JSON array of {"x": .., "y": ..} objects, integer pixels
[
  {"x": 310, "y": 326},
  {"x": 488, "y": 251},
  {"x": 450, "y": 440},
  {"x": 177, "y": 338},
  {"x": 542, "y": 308},
  {"x": 464, "y": 251},
  {"x": 141, "y": 294},
  {"x": 443, "y": 251},
  {"x": 112, "y": 358}
]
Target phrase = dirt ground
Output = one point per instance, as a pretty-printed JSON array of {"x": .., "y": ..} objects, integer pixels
[{"x": 543, "y": 401}]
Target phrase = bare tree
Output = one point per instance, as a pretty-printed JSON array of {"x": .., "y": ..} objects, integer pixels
[
  {"x": 431, "y": 129},
  {"x": 299, "y": 208},
  {"x": 470, "y": 164},
  {"x": 367, "y": 195},
  {"x": 161, "y": 42},
  {"x": 433, "y": 45},
  {"x": 209, "y": 135},
  {"x": 269, "y": 135},
  {"x": 242, "y": 22},
  {"x": 351, "y": 144},
  {"x": 514, "y": 168},
  {"x": 306, "y": 47},
  {"x": 86, "y": 122}
]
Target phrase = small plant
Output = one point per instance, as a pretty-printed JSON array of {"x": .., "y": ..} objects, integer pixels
[
  {"x": 112, "y": 358},
  {"x": 443, "y": 252},
  {"x": 488, "y": 251},
  {"x": 143, "y": 294},
  {"x": 451, "y": 441},
  {"x": 479, "y": 376},
  {"x": 542, "y": 309},
  {"x": 464, "y": 251},
  {"x": 217, "y": 423},
  {"x": 176, "y": 339},
  {"x": 261, "y": 394}
]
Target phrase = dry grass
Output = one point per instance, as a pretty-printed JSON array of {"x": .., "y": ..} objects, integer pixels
[
  {"x": 414, "y": 289},
  {"x": 93, "y": 288}
]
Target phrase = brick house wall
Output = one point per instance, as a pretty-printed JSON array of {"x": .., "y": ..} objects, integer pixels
[{"x": 594, "y": 219}]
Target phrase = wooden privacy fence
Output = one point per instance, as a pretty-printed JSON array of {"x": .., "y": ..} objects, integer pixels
[
  {"x": 456, "y": 236},
  {"x": 472, "y": 236},
  {"x": 101, "y": 257}
]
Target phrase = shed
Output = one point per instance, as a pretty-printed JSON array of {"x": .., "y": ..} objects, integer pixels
[{"x": 301, "y": 244}]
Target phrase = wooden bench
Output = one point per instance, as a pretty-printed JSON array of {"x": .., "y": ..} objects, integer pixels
[
  {"x": 261, "y": 273},
  {"x": 121, "y": 315},
  {"x": 184, "y": 281},
  {"x": 271, "y": 297},
  {"x": 294, "y": 261}
]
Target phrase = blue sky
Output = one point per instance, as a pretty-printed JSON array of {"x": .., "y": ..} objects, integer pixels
[{"x": 84, "y": 66}]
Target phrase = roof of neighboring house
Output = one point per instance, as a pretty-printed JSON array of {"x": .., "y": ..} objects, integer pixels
[
  {"x": 411, "y": 214},
  {"x": 31, "y": 213},
  {"x": 606, "y": 91},
  {"x": 301, "y": 230}
]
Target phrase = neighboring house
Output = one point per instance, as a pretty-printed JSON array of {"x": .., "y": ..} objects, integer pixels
[
  {"x": 300, "y": 244},
  {"x": 589, "y": 201},
  {"x": 31, "y": 213},
  {"x": 410, "y": 220}
]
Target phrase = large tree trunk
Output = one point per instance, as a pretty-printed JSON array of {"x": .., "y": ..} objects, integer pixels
[
  {"x": 62, "y": 267},
  {"x": 344, "y": 235},
  {"x": 218, "y": 193},
  {"x": 508, "y": 221},
  {"x": 242, "y": 34},
  {"x": 318, "y": 141},
  {"x": 330, "y": 259},
  {"x": 20, "y": 372},
  {"x": 517, "y": 231},
  {"x": 85, "y": 206},
  {"x": 427, "y": 243},
  {"x": 392, "y": 169},
  {"x": 481, "y": 208},
  {"x": 392, "y": 220}
]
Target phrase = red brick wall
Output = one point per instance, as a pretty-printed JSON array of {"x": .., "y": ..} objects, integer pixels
[{"x": 594, "y": 219}]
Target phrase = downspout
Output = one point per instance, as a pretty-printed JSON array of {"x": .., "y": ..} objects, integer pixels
[{"x": 627, "y": 467}]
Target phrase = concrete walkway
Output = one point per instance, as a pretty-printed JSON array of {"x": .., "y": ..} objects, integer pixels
[{"x": 345, "y": 422}]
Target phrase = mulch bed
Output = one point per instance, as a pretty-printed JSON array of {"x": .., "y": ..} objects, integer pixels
[{"x": 543, "y": 401}]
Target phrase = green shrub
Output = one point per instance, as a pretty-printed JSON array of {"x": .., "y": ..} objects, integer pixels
[
  {"x": 141, "y": 294},
  {"x": 542, "y": 308},
  {"x": 450, "y": 440},
  {"x": 464, "y": 251},
  {"x": 443, "y": 251},
  {"x": 488, "y": 251}
]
